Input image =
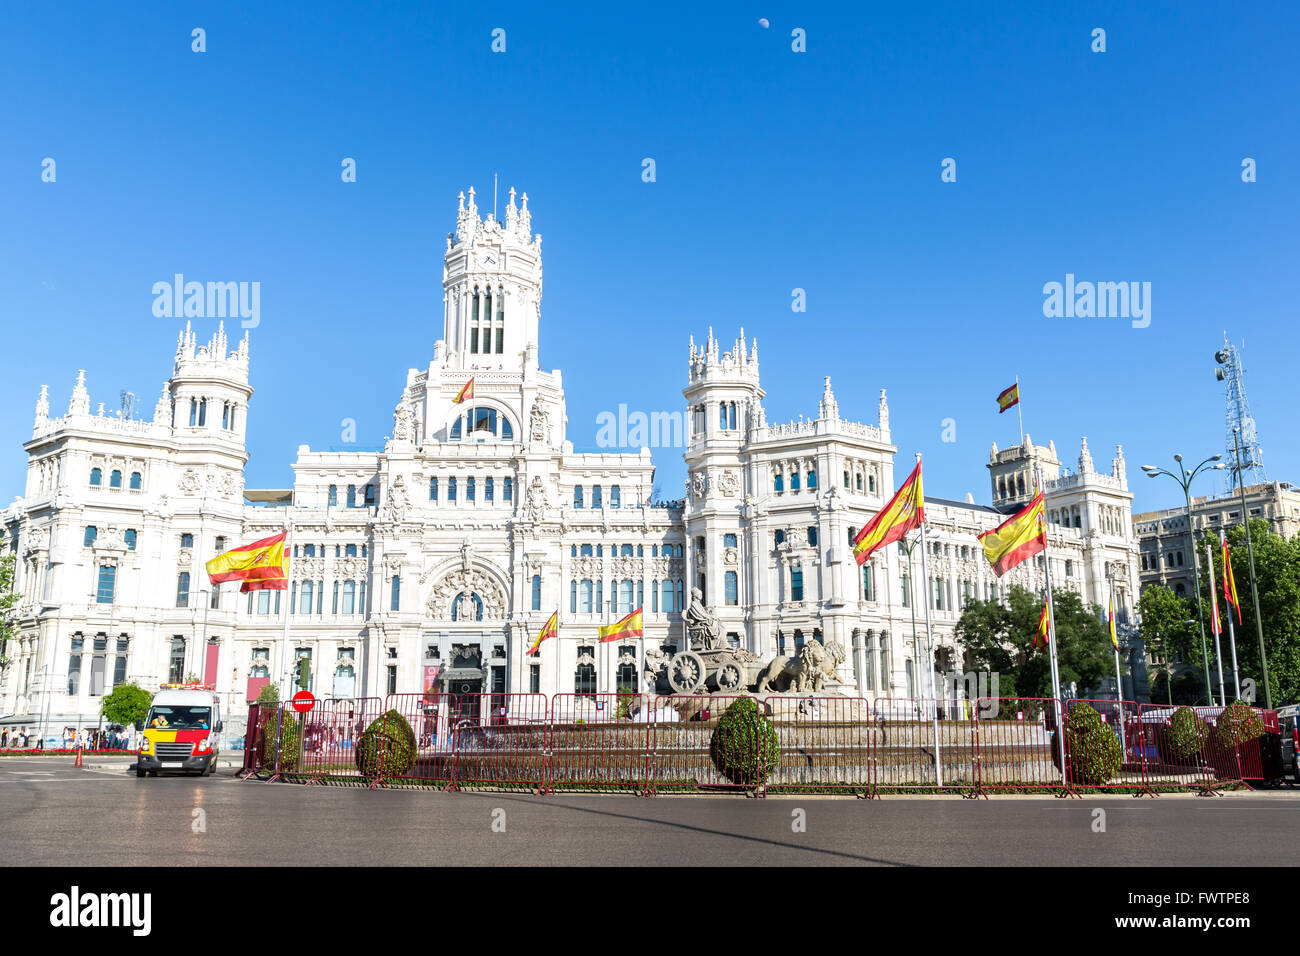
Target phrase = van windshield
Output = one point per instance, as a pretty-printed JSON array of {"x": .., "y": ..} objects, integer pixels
[{"x": 177, "y": 717}]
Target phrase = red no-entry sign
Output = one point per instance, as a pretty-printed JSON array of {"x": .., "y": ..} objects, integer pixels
[{"x": 303, "y": 701}]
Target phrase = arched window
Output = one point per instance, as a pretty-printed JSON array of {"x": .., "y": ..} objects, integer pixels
[
  {"x": 871, "y": 484},
  {"x": 812, "y": 481},
  {"x": 654, "y": 596},
  {"x": 456, "y": 427},
  {"x": 846, "y": 481},
  {"x": 304, "y": 599},
  {"x": 469, "y": 488},
  {"x": 352, "y": 496},
  {"x": 858, "y": 479},
  {"x": 732, "y": 589},
  {"x": 778, "y": 483},
  {"x": 794, "y": 480},
  {"x": 451, "y": 489},
  {"x": 537, "y": 592},
  {"x": 585, "y": 551},
  {"x": 614, "y": 496},
  {"x": 489, "y": 489},
  {"x": 722, "y": 415},
  {"x": 433, "y": 488},
  {"x": 507, "y": 433},
  {"x": 96, "y": 477},
  {"x": 115, "y": 479},
  {"x": 129, "y": 537},
  {"x": 136, "y": 481},
  {"x": 88, "y": 540},
  {"x": 625, "y": 551},
  {"x": 868, "y": 582},
  {"x": 595, "y": 497},
  {"x": 625, "y": 592},
  {"x": 203, "y": 412},
  {"x": 779, "y": 537},
  {"x": 627, "y": 676},
  {"x": 573, "y": 597},
  {"x": 731, "y": 415},
  {"x": 508, "y": 493},
  {"x": 796, "y": 585},
  {"x": 812, "y": 536},
  {"x": 667, "y": 589},
  {"x": 681, "y": 606},
  {"x": 183, "y": 589},
  {"x": 395, "y": 603},
  {"x": 584, "y": 678},
  {"x": 349, "y": 597},
  {"x": 577, "y": 496},
  {"x": 370, "y": 496},
  {"x": 585, "y": 591}
]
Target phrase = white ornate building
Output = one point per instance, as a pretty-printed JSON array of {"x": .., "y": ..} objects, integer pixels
[{"x": 440, "y": 557}]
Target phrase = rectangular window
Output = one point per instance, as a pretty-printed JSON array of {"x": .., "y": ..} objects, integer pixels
[
  {"x": 176, "y": 663},
  {"x": 392, "y": 679},
  {"x": 509, "y": 491},
  {"x": 349, "y": 597},
  {"x": 264, "y": 601},
  {"x": 535, "y": 679},
  {"x": 395, "y": 603},
  {"x": 107, "y": 582},
  {"x": 796, "y": 584},
  {"x": 74, "y": 667},
  {"x": 183, "y": 589},
  {"x": 732, "y": 589},
  {"x": 489, "y": 489},
  {"x": 334, "y": 604},
  {"x": 451, "y": 489},
  {"x": 119, "y": 665}
]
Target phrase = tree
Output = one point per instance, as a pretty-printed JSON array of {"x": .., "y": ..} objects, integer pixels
[
  {"x": 999, "y": 638},
  {"x": 126, "y": 704},
  {"x": 8, "y": 598},
  {"x": 1169, "y": 631},
  {"x": 269, "y": 694}
]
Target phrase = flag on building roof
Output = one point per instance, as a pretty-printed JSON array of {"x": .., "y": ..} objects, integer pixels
[
  {"x": 1021, "y": 536},
  {"x": 1008, "y": 397},
  {"x": 466, "y": 392},
  {"x": 260, "y": 565},
  {"x": 905, "y": 511},
  {"x": 629, "y": 626},
  {"x": 550, "y": 629}
]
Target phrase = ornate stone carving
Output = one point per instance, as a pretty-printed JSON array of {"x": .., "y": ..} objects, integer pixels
[
  {"x": 535, "y": 504},
  {"x": 729, "y": 557},
  {"x": 461, "y": 581},
  {"x": 403, "y": 424},
  {"x": 729, "y": 484},
  {"x": 539, "y": 423},
  {"x": 395, "y": 503},
  {"x": 190, "y": 483},
  {"x": 807, "y": 672}
]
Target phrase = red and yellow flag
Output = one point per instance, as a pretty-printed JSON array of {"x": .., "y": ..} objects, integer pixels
[
  {"x": 905, "y": 511},
  {"x": 1216, "y": 626},
  {"x": 1021, "y": 536},
  {"x": 1110, "y": 621},
  {"x": 261, "y": 565},
  {"x": 1008, "y": 397},
  {"x": 629, "y": 626},
  {"x": 550, "y": 629},
  {"x": 466, "y": 392},
  {"x": 1041, "y": 636},
  {"x": 1229, "y": 582}
]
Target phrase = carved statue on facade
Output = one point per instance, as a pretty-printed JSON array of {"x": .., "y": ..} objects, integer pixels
[{"x": 703, "y": 630}]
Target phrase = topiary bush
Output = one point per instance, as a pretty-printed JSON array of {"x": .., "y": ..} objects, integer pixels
[
  {"x": 290, "y": 736},
  {"x": 744, "y": 746},
  {"x": 1236, "y": 726},
  {"x": 387, "y": 745},
  {"x": 1182, "y": 740},
  {"x": 1092, "y": 748}
]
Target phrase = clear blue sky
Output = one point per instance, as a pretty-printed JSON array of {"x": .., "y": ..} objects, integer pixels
[{"x": 775, "y": 170}]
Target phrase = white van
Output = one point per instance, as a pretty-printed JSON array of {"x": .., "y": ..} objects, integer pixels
[{"x": 181, "y": 732}]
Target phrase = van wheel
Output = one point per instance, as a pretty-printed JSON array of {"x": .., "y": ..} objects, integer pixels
[{"x": 139, "y": 772}]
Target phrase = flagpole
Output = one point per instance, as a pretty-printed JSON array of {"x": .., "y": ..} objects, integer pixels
[
  {"x": 929, "y": 653},
  {"x": 1019, "y": 412},
  {"x": 1051, "y": 627},
  {"x": 1218, "y": 628},
  {"x": 1119, "y": 680},
  {"x": 1232, "y": 633},
  {"x": 285, "y": 683}
]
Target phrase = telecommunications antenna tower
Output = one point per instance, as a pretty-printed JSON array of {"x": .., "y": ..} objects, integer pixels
[{"x": 1239, "y": 419}]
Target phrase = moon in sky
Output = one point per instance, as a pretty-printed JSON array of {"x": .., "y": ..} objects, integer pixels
[{"x": 763, "y": 23}]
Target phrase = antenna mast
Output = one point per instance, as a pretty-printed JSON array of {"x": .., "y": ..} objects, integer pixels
[{"x": 1233, "y": 371}]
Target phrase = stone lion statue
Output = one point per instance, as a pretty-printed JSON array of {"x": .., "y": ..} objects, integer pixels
[{"x": 806, "y": 672}]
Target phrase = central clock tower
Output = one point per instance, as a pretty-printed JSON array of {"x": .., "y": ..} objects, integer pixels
[{"x": 492, "y": 288}]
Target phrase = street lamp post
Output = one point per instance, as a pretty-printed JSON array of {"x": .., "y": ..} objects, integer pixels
[
  {"x": 1254, "y": 588},
  {"x": 1184, "y": 479}
]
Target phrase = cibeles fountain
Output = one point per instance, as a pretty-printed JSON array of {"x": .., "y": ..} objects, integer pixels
[{"x": 710, "y": 666}]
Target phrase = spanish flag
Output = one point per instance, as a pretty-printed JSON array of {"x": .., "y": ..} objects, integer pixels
[
  {"x": 1008, "y": 397},
  {"x": 260, "y": 565},
  {"x": 550, "y": 629},
  {"x": 1110, "y": 621},
  {"x": 1216, "y": 626},
  {"x": 1041, "y": 636},
  {"x": 905, "y": 511},
  {"x": 629, "y": 626},
  {"x": 466, "y": 392},
  {"x": 1229, "y": 582},
  {"x": 1021, "y": 536}
]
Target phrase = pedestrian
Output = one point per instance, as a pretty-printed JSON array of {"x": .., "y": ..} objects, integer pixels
[{"x": 4, "y": 739}]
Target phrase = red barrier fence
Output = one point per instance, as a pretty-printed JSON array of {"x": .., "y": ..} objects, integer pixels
[{"x": 652, "y": 744}]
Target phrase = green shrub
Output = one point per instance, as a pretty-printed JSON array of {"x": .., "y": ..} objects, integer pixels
[
  {"x": 288, "y": 744},
  {"x": 387, "y": 745},
  {"x": 1238, "y": 724},
  {"x": 269, "y": 694},
  {"x": 1092, "y": 748},
  {"x": 744, "y": 746},
  {"x": 1182, "y": 740}
]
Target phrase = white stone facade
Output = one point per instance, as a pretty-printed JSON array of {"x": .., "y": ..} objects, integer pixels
[{"x": 452, "y": 546}]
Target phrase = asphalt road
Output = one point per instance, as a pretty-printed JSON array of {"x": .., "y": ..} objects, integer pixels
[{"x": 53, "y": 814}]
